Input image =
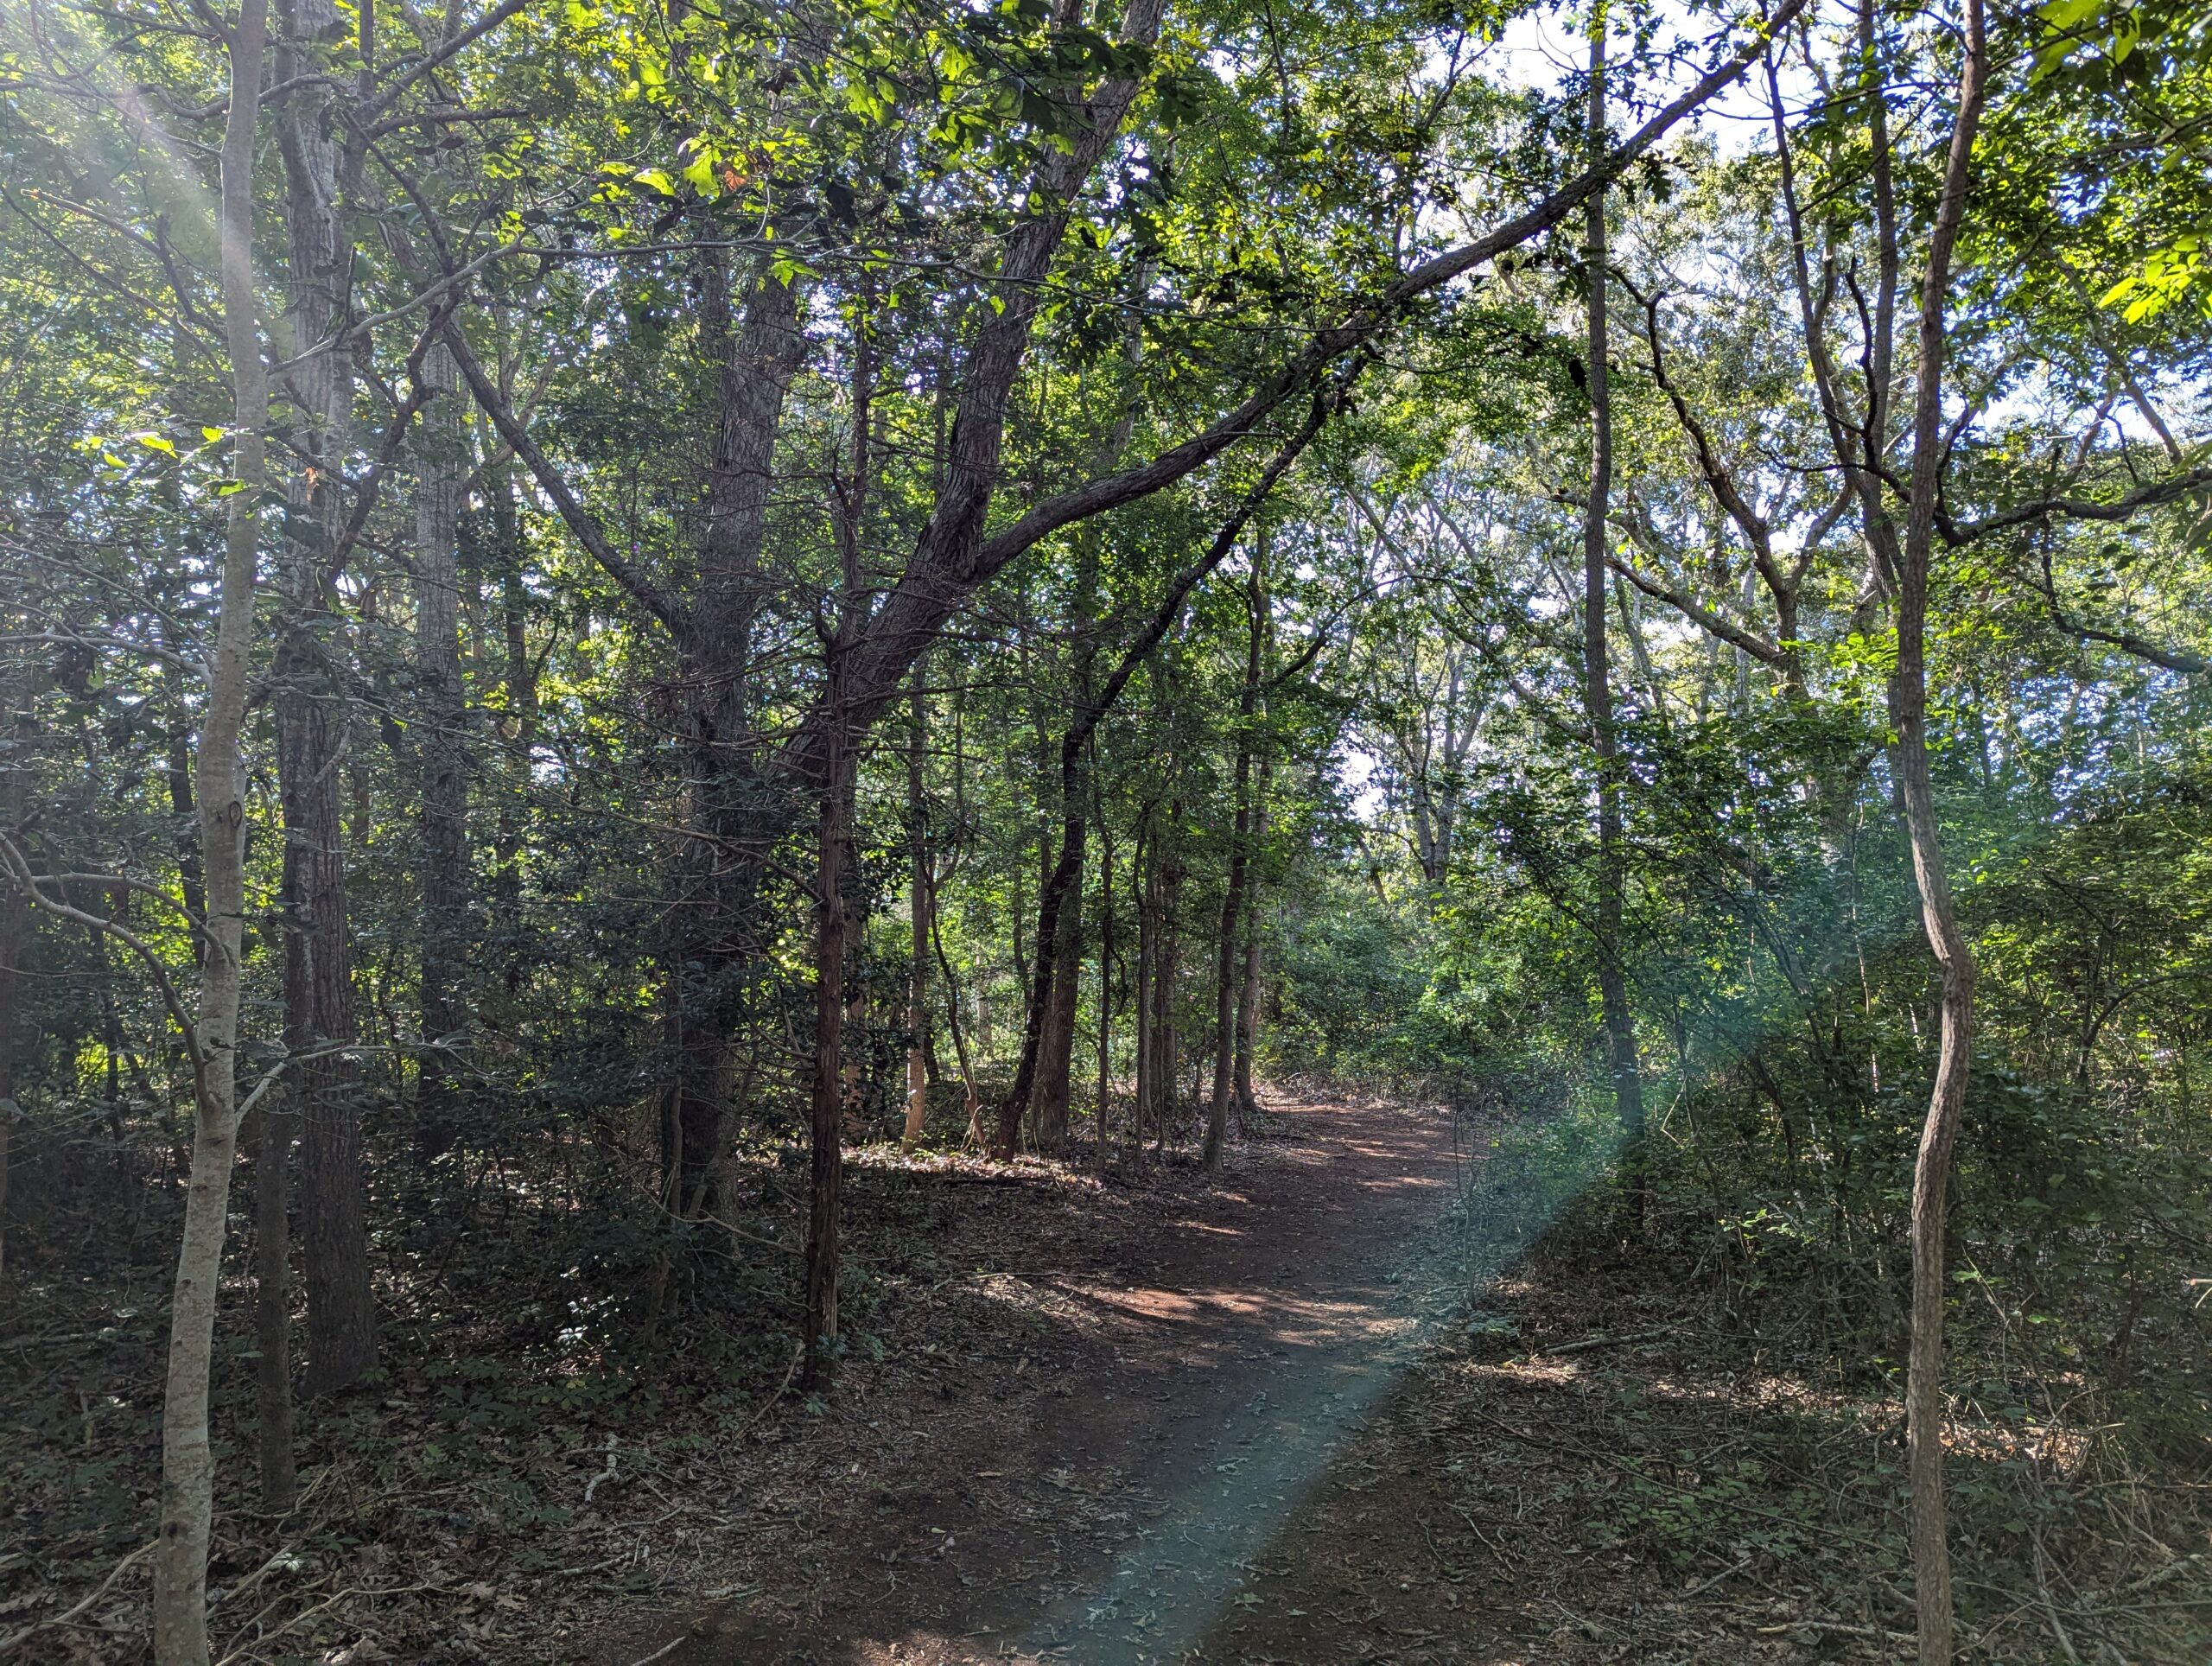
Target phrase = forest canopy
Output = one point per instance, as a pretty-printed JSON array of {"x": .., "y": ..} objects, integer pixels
[{"x": 616, "y": 615}]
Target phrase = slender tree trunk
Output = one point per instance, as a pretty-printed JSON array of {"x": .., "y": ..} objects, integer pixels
[
  {"x": 269, "y": 1136},
  {"x": 1248, "y": 1005},
  {"x": 440, "y": 466},
  {"x": 974, "y": 1106},
  {"x": 310, "y": 706},
  {"x": 921, "y": 905},
  {"x": 1168, "y": 875},
  {"x": 826, "y": 1166},
  {"x": 1105, "y": 985},
  {"x": 188, "y": 1462},
  {"x": 1141, "y": 897},
  {"x": 14, "y": 930},
  {"x": 1226, "y": 987},
  {"x": 1908, "y": 703},
  {"x": 1612, "y": 982},
  {"x": 825, "y": 1177}
]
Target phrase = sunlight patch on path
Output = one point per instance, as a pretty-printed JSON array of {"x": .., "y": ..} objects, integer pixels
[{"x": 1216, "y": 1515}]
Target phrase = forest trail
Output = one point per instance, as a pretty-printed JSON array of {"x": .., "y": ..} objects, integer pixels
[{"x": 1108, "y": 1499}]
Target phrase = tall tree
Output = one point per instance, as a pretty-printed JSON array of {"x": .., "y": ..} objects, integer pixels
[
  {"x": 1227, "y": 985},
  {"x": 1598, "y": 694},
  {"x": 312, "y": 719},
  {"x": 440, "y": 463},
  {"x": 187, "y": 1460},
  {"x": 1908, "y": 704}
]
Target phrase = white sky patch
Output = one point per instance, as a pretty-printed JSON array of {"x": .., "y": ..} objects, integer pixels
[{"x": 1545, "y": 49}]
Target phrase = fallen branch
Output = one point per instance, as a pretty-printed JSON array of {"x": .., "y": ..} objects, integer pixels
[
  {"x": 1589, "y": 1343},
  {"x": 9, "y": 1645}
]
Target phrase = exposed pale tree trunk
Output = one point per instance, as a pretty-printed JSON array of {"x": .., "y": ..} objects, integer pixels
[{"x": 188, "y": 1462}]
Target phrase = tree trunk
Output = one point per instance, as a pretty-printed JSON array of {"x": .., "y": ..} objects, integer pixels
[
  {"x": 1167, "y": 879},
  {"x": 318, "y": 1019},
  {"x": 311, "y": 724},
  {"x": 1105, "y": 986},
  {"x": 715, "y": 911},
  {"x": 826, "y": 1166},
  {"x": 1056, "y": 1049},
  {"x": 15, "y": 931},
  {"x": 1612, "y": 982},
  {"x": 920, "y": 905},
  {"x": 178, "y": 770},
  {"x": 188, "y": 1462},
  {"x": 269, "y": 1138},
  {"x": 441, "y": 464},
  {"x": 1226, "y": 988},
  {"x": 1140, "y": 896},
  {"x": 1908, "y": 704},
  {"x": 1248, "y": 1005}
]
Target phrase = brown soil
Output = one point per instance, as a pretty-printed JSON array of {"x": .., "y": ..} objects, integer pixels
[
  {"x": 1165, "y": 1417},
  {"x": 1100, "y": 1482},
  {"x": 1255, "y": 1421}
]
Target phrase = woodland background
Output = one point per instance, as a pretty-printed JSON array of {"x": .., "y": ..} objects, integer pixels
[{"x": 867, "y": 574}]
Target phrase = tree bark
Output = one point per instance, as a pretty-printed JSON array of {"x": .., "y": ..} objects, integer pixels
[
  {"x": 1105, "y": 984},
  {"x": 1612, "y": 982},
  {"x": 1056, "y": 1048},
  {"x": 921, "y": 904},
  {"x": 1248, "y": 1005},
  {"x": 1226, "y": 987},
  {"x": 310, "y": 721},
  {"x": 442, "y": 755},
  {"x": 15, "y": 931},
  {"x": 1140, "y": 890},
  {"x": 825, "y": 1176},
  {"x": 724, "y": 788},
  {"x": 188, "y": 1462},
  {"x": 269, "y": 1139},
  {"x": 1167, "y": 875},
  {"x": 1908, "y": 704}
]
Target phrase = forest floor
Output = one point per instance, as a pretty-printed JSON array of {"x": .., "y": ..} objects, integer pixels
[
  {"x": 1364, "y": 1397},
  {"x": 1263, "y": 1423}
]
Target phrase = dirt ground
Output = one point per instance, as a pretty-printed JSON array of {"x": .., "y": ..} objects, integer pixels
[
  {"x": 1103, "y": 1494},
  {"x": 1263, "y": 1424},
  {"x": 1350, "y": 1400}
]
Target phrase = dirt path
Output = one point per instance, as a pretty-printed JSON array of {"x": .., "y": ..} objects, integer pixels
[{"x": 1105, "y": 1499}]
